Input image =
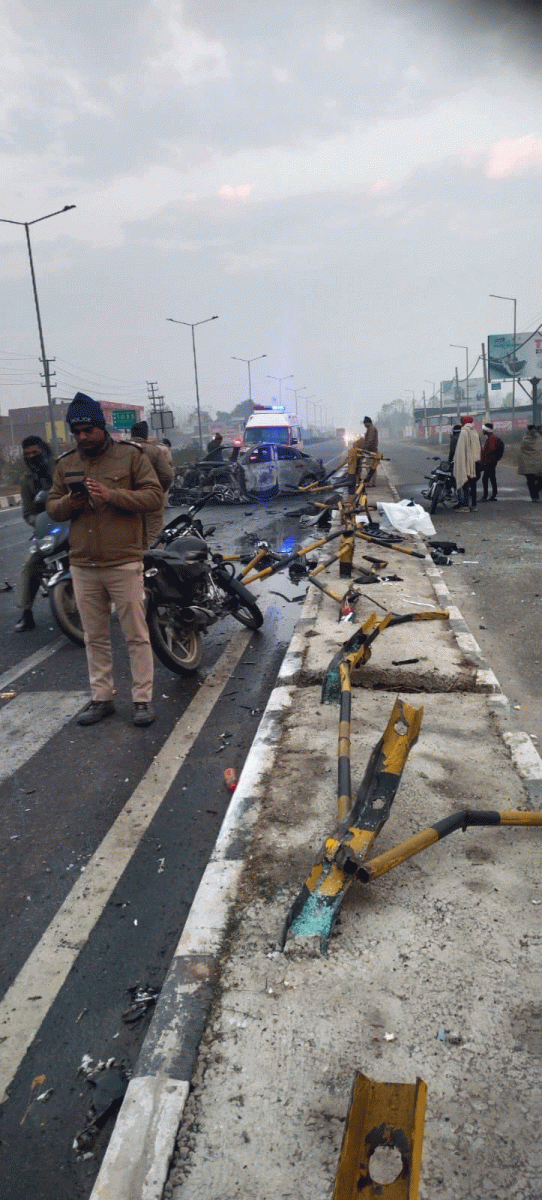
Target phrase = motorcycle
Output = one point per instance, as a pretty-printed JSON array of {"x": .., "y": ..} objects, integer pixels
[
  {"x": 188, "y": 589},
  {"x": 49, "y": 545},
  {"x": 442, "y": 489}
]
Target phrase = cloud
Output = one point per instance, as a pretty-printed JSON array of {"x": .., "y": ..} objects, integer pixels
[
  {"x": 514, "y": 156},
  {"x": 185, "y": 51},
  {"x": 379, "y": 185},
  {"x": 334, "y": 41},
  {"x": 241, "y": 192}
]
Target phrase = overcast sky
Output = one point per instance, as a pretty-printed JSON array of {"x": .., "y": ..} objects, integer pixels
[{"x": 342, "y": 183}]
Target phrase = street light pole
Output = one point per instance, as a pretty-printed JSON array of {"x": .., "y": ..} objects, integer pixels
[
  {"x": 296, "y": 392},
  {"x": 26, "y": 226},
  {"x": 280, "y": 379},
  {"x": 248, "y": 361},
  {"x": 192, "y": 325},
  {"x": 494, "y": 296},
  {"x": 306, "y": 399},
  {"x": 457, "y": 346}
]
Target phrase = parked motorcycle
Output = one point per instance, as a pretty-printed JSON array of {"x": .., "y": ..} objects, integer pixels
[
  {"x": 50, "y": 546},
  {"x": 188, "y": 589},
  {"x": 442, "y": 489}
]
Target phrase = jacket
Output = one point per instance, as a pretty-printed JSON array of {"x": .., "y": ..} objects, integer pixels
[
  {"x": 111, "y": 532},
  {"x": 370, "y": 441},
  {"x": 530, "y": 453},
  {"x": 31, "y": 484},
  {"x": 157, "y": 455},
  {"x": 467, "y": 454},
  {"x": 489, "y": 451}
]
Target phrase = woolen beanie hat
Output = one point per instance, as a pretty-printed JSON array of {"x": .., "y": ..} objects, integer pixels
[
  {"x": 84, "y": 410},
  {"x": 488, "y": 427},
  {"x": 367, "y": 420},
  {"x": 467, "y": 420},
  {"x": 140, "y": 429}
]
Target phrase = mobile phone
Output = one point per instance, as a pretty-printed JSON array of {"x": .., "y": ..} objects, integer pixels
[{"x": 79, "y": 488}]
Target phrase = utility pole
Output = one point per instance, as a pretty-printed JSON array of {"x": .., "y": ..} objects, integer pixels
[
  {"x": 457, "y": 395},
  {"x": 486, "y": 388},
  {"x": 156, "y": 401},
  {"x": 47, "y": 375}
]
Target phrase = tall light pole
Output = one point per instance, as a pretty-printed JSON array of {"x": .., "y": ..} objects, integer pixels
[
  {"x": 192, "y": 325},
  {"x": 248, "y": 361},
  {"x": 296, "y": 392},
  {"x": 280, "y": 380},
  {"x": 26, "y": 226},
  {"x": 513, "y": 300},
  {"x": 458, "y": 346},
  {"x": 306, "y": 399},
  {"x": 433, "y": 385}
]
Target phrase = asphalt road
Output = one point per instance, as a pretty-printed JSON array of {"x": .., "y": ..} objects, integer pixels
[
  {"x": 497, "y": 582},
  {"x": 106, "y": 833}
]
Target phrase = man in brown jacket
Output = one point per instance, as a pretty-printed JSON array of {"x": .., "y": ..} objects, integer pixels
[
  {"x": 104, "y": 488},
  {"x": 153, "y": 522},
  {"x": 370, "y": 446}
]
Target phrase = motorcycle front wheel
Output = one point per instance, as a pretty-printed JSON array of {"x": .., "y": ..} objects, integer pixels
[
  {"x": 65, "y": 611},
  {"x": 437, "y": 497},
  {"x": 242, "y": 604},
  {"x": 177, "y": 646}
]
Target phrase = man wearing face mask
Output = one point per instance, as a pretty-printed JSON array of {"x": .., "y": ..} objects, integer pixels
[
  {"x": 37, "y": 478},
  {"x": 105, "y": 488}
]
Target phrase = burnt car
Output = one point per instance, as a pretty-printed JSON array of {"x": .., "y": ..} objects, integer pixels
[
  {"x": 270, "y": 468},
  {"x": 219, "y": 479}
]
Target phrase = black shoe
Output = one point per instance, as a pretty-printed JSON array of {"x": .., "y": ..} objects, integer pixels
[
  {"x": 492, "y": 497},
  {"x": 95, "y": 711},
  {"x": 143, "y": 714},
  {"x": 26, "y": 622},
  {"x": 484, "y": 499}
]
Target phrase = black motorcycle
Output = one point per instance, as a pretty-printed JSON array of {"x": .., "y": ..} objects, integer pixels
[
  {"x": 442, "y": 489},
  {"x": 49, "y": 545},
  {"x": 188, "y": 589}
]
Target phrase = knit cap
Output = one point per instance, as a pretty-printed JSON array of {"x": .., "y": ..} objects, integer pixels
[
  {"x": 84, "y": 410},
  {"x": 467, "y": 420}
]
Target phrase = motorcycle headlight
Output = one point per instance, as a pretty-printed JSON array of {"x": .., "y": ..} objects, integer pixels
[{"x": 46, "y": 544}]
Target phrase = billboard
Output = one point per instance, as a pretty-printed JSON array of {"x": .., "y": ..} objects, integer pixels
[
  {"x": 476, "y": 398},
  {"x": 524, "y": 361}
]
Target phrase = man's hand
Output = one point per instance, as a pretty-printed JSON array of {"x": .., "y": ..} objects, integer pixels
[
  {"x": 77, "y": 501},
  {"x": 98, "y": 489}
]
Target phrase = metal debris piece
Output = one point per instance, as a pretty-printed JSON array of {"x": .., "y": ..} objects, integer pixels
[
  {"x": 8, "y": 587},
  {"x": 142, "y": 1000},
  {"x": 7, "y": 695},
  {"x": 381, "y": 1150},
  {"x": 316, "y": 908},
  {"x": 356, "y": 651}
]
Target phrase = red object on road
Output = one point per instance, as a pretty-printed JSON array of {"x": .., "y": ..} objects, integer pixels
[{"x": 230, "y": 778}]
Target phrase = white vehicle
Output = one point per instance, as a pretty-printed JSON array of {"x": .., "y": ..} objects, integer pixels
[
  {"x": 272, "y": 425},
  {"x": 269, "y": 469}
]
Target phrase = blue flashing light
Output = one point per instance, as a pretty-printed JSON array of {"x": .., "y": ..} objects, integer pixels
[{"x": 287, "y": 546}]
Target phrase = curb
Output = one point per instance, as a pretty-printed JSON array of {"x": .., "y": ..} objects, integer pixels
[{"x": 137, "y": 1160}]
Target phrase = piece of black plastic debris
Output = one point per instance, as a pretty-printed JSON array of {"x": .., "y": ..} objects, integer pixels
[
  {"x": 8, "y": 587},
  {"x": 108, "y": 1091},
  {"x": 447, "y": 547},
  {"x": 403, "y": 662},
  {"x": 440, "y": 560},
  {"x": 141, "y": 998}
]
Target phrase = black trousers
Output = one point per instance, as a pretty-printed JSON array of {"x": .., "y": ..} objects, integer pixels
[
  {"x": 489, "y": 477},
  {"x": 534, "y": 484},
  {"x": 467, "y": 493}
]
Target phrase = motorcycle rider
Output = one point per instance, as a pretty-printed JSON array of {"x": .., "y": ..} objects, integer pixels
[
  {"x": 37, "y": 477},
  {"x": 104, "y": 487}
]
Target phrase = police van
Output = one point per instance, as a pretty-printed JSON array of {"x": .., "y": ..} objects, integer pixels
[{"x": 273, "y": 425}]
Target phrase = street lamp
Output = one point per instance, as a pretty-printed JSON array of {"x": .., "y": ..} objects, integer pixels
[
  {"x": 458, "y": 346},
  {"x": 26, "y": 226},
  {"x": 513, "y": 300},
  {"x": 280, "y": 379},
  {"x": 248, "y": 361},
  {"x": 306, "y": 399},
  {"x": 296, "y": 392},
  {"x": 192, "y": 325}
]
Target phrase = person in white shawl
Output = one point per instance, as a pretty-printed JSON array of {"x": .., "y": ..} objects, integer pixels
[{"x": 467, "y": 455}]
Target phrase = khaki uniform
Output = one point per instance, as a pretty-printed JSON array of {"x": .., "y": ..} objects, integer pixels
[
  {"x": 370, "y": 447},
  {"x": 106, "y": 553},
  {"x": 153, "y": 523}
]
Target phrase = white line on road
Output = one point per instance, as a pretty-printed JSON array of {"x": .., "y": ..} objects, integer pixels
[
  {"x": 29, "y": 721},
  {"x": 27, "y": 664},
  {"x": 27, "y": 1002}
]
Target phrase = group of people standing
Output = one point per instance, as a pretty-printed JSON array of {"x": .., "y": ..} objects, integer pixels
[{"x": 471, "y": 461}]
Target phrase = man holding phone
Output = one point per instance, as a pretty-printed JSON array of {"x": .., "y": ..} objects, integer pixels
[{"x": 104, "y": 488}]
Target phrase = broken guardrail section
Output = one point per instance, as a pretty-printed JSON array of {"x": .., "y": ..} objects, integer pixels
[{"x": 382, "y": 1145}]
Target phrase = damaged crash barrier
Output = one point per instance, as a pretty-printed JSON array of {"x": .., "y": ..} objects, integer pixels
[
  {"x": 357, "y": 650},
  {"x": 316, "y": 908},
  {"x": 382, "y": 1144}
]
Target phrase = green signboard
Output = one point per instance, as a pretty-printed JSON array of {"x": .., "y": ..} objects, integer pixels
[{"x": 124, "y": 418}]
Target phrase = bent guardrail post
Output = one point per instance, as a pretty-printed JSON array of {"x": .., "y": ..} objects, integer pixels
[{"x": 382, "y": 1116}]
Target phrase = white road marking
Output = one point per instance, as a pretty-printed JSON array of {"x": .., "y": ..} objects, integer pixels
[
  {"x": 27, "y": 1002},
  {"x": 27, "y": 664},
  {"x": 29, "y": 721}
]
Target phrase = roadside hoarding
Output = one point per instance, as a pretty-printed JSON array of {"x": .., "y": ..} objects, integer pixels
[
  {"x": 476, "y": 398},
  {"x": 524, "y": 361}
]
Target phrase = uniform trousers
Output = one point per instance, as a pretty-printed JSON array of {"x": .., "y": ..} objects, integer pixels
[{"x": 96, "y": 588}]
